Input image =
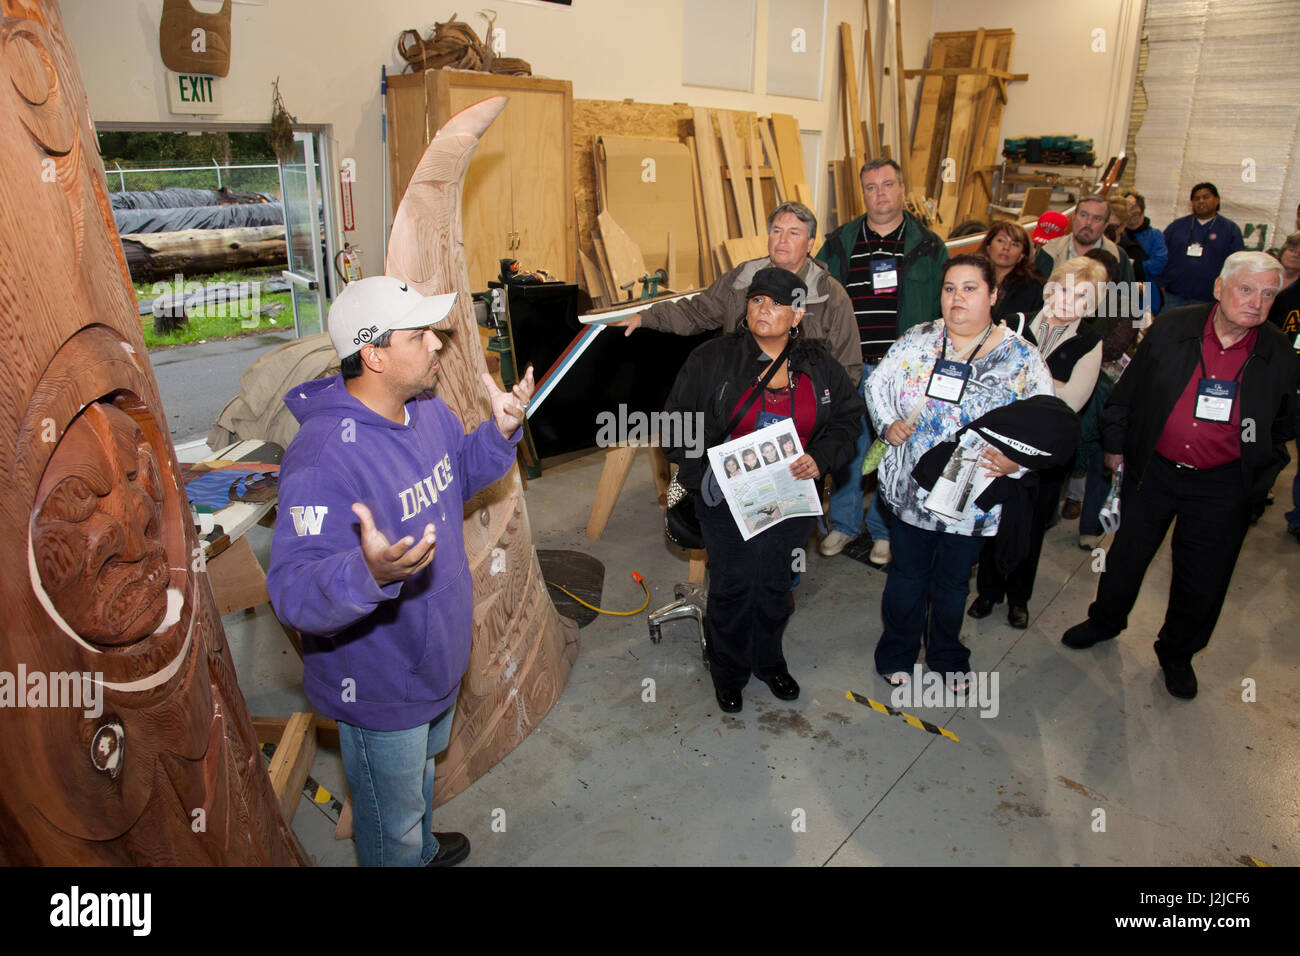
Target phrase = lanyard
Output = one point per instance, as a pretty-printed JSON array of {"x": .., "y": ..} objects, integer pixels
[
  {"x": 1206, "y": 375},
  {"x": 979, "y": 345},
  {"x": 894, "y": 235}
]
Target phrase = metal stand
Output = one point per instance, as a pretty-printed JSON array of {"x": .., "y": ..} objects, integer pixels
[{"x": 689, "y": 605}]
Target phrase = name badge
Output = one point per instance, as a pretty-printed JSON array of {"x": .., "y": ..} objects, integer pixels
[
  {"x": 1194, "y": 250},
  {"x": 1214, "y": 400},
  {"x": 768, "y": 418},
  {"x": 948, "y": 380},
  {"x": 884, "y": 275}
]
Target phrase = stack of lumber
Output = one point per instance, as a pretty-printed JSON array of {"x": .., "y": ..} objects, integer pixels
[
  {"x": 957, "y": 135},
  {"x": 684, "y": 189}
]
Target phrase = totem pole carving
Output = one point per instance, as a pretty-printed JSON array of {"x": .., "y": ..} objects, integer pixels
[
  {"x": 523, "y": 650},
  {"x": 124, "y": 738}
]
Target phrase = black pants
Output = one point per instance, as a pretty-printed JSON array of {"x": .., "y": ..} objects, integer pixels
[
  {"x": 1210, "y": 511},
  {"x": 1018, "y": 586},
  {"x": 749, "y": 594}
]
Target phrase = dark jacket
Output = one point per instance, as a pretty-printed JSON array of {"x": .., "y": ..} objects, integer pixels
[
  {"x": 1168, "y": 357},
  {"x": 828, "y": 311},
  {"x": 1154, "y": 258},
  {"x": 920, "y": 271},
  {"x": 1193, "y": 276},
  {"x": 1019, "y": 295},
  {"x": 717, "y": 373}
]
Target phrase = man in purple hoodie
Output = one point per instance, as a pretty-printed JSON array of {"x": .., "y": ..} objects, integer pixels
[{"x": 368, "y": 557}]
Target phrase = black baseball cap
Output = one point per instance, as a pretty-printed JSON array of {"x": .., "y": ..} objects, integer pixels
[{"x": 779, "y": 285}]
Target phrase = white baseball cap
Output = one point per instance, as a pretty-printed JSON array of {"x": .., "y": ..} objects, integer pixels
[{"x": 367, "y": 308}]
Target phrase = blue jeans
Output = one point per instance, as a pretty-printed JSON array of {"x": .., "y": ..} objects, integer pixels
[
  {"x": 1293, "y": 516},
  {"x": 845, "y": 508},
  {"x": 390, "y": 774},
  {"x": 1095, "y": 489},
  {"x": 929, "y": 580}
]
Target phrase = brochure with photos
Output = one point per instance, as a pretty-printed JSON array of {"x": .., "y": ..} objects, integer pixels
[
  {"x": 754, "y": 474},
  {"x": 962, "y": 481}
]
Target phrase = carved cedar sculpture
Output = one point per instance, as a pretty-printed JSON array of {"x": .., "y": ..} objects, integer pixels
[
  {"x": 154, "y": 760},
  {"x": 522, "y": 649},
  {"x": 194, "y": 42}
]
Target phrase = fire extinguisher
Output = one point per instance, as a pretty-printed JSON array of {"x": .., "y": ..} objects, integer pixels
[{"x": 347, "y": 263}]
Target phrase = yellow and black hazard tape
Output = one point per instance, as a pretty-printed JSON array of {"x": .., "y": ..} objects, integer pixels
[
  {"x": 329, "y": 804},
  {"x": 890, "y": 711}
]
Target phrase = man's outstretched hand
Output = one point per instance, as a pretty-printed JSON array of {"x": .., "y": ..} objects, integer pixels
[
  {"x": 508, "y": 408},
  {"x": 392, "y": 562}
]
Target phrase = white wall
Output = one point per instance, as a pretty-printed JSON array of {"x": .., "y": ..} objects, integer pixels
[{"x": 327, "y": 54}]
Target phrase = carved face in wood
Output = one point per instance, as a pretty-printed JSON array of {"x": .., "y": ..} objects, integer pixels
[
  {"x": 194, "y": 42},
  {"x": 98, "y": 535}
]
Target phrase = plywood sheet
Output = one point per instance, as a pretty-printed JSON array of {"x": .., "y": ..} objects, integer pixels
[
  {"x": 595, "y": 118},
  {"x": 650, "y": 192},
  {"x": 624, "y": 256}
]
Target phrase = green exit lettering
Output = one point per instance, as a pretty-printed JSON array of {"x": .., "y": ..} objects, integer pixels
[{"x": 195, "y": 89}]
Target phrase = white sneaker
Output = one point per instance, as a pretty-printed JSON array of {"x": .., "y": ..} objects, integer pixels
[
  {"x": 833, "y": 543},
  {"x": 879, "y": 553}
]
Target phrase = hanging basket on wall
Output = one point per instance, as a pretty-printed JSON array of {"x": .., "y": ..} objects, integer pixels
[{"x": 281, "y": 135}]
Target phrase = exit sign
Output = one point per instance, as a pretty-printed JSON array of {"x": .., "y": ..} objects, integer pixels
[{"x": 193, "y": 93}]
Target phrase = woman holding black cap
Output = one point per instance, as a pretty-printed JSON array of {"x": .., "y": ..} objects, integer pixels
[{"x": 761, "y": 373}]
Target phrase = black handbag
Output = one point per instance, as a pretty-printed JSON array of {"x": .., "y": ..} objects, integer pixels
[{"x": 681, "y": 523}]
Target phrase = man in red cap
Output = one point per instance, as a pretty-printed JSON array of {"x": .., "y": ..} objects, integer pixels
[
  {"x": 1050, "y": 225},
  {"x": 1087, "y": 226}
]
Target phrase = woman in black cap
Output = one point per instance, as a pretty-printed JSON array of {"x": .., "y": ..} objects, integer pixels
[{"x": 723, "y": 380}]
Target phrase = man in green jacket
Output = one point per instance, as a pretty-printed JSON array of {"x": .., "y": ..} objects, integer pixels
[{"x": 890, "y": 265}]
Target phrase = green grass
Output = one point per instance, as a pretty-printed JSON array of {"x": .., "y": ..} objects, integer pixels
[{"x": 205, "y": 325}]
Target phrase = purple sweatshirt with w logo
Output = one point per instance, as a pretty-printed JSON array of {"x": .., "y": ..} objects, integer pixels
[{"x": 385, "y": 658}]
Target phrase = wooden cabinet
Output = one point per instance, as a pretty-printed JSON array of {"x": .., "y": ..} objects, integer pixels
[{"x": 518, "y": 201}]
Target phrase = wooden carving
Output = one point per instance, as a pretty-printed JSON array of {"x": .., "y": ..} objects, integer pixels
[
  {"x": 194, "y": 42},
  {"x": 124, "y": 738},
  {"x": 523, "y": 650}
]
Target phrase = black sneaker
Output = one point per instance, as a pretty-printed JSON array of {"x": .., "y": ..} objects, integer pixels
[{"x": 452, "y": 848}]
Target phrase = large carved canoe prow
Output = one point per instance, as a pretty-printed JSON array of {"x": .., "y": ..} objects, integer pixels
[
  {"x": 154, "y": 760},
  {"x": 523, "y": 650}
]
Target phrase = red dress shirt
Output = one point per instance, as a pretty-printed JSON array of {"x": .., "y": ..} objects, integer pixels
[{"x": 1201, "y": 444}]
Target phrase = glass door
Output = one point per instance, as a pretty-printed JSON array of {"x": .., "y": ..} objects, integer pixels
[{"x": 302, "y": 193}]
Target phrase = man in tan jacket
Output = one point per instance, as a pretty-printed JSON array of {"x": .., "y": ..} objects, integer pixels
[{"x": 791, "y": 232}]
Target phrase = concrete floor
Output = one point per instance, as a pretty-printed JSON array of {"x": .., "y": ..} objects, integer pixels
[{"x": 1089, "y": 760}]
